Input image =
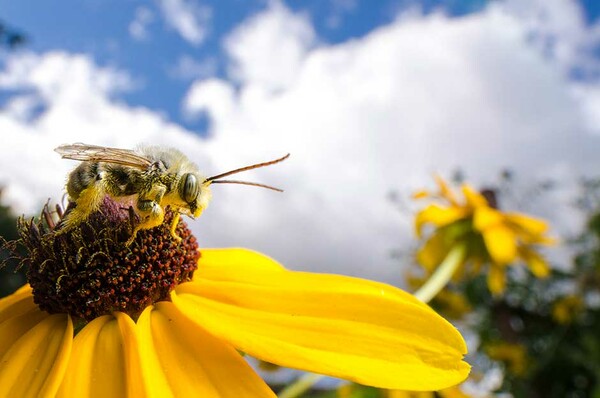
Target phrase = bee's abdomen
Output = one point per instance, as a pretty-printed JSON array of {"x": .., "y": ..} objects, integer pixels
[{"x": 84, "y": 175}]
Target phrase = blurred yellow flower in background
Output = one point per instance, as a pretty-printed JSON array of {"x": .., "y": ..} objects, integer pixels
[
  {"x": 513, "y": 355},
  {"x": 358, "y": 391},
  {"x": 567, "y": 308},
  {"x": 453, "y": 305},
  {"x": 484, "y": 235},
  {"x": 452, "y": 392}
]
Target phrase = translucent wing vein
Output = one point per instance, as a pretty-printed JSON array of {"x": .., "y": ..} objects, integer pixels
[{"x": 95, "y": 153}]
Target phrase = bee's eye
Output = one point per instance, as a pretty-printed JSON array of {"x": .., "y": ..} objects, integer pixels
[{"x": 190, "y": 188}]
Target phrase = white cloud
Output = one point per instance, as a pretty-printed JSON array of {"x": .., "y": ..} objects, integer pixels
[
  {"x": 215, "y": 94},
  {"x": 589, "y": 97},
  {"x": 558, "y": 28},
  {"x": 188, "y": 68},
  {"x": 424, "y": 94},
  {"x": 188, "y": 18},
  {"x": 268, "y": 49},
  {"x": 58, "y": 77},
  {"x": 381, "y": 112},
  {"x": 138, "y": 28}
]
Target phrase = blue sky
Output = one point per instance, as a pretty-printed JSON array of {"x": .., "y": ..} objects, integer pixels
[
  {"x": 369, "y": 97},
  {"x": 101, "y": 28}
]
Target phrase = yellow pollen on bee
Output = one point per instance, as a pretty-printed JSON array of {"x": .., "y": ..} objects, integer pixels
[{"x": 174, "y": 223}]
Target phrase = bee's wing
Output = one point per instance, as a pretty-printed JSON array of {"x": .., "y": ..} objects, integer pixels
[{"x": 95, "y": 153}]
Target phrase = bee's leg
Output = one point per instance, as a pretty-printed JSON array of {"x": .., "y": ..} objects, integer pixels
[
  {"x": 131, "y": 217},
  {"x": 152, "y": 215},
  {"x": 150, "y": 211},
  {"x": 174, "y": 223},
  {"x": 87, "y": 202}
]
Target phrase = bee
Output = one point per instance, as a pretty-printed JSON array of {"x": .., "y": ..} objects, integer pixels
[{"x": 154, "y": 177}]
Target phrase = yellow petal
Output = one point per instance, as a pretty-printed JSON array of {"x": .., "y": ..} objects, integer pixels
[
  {"x": 438, "y": 216},
  {"x": 535, "y": 262},
  {"x": 23, "y": 289},
  {"x": 541, "y": 240},
  {"x": 13, "y": 328},
  {"x": 567, "y": 308},
  {"x": 409, "y": 394},
  {"x": 104, "y": 362},
  {"x": 359, "y": 330},
  {"x": 453, "y": 304},
  {"x": 512, "y": 354},
  {"x": 496, "y": 279},
  {"x": 453, "y": 392},
  {"x": 34, "y": 364},
  {"x": 233, "y": 258},
  {"x": 421, "y": 194},
  {"x": 501, "y": 244},
  {"x": 435, "y": 249},
  {"x": 473, "y": 198},
  {"x": 180, "y": 359},
  {"x": 445, "y": 191},
  {"x": 530, "y": 230},
  {"x": 531, "y": 225},
  {"x": 16, "y": 304},
  {"x": 486, "y": 217}
]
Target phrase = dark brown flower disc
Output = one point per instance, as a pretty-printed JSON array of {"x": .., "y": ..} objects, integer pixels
[{"x": 88, "y": 270}]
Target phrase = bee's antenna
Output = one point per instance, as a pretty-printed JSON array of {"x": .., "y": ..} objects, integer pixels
[
  {"x": 254, "y": 166},
  {"x": 254, "y": 184}
]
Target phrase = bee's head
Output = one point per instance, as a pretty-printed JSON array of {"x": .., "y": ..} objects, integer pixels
[{"x": 194, "y": 192}]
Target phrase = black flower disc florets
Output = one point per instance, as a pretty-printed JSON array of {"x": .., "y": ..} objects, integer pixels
[{"x": 88, "y": 271}]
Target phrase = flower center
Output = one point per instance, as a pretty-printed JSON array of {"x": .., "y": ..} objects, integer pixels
[{"x": 87, "y": 270}]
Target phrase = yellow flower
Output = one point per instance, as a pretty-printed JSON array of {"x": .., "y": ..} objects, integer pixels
[
  {"x": 490, "y": 236},
  {"x": 132, "y": 321},
  {"x": 567, "y": 308},
  {"x": 452, "y": 304},
  {"x": 452, "y": 392},
  {"x": 513, "y": 355}
]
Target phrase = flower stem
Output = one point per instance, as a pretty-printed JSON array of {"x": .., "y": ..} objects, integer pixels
[
  {"x": 300, "y": 386},
  {"x": 442, "y": 275}
]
